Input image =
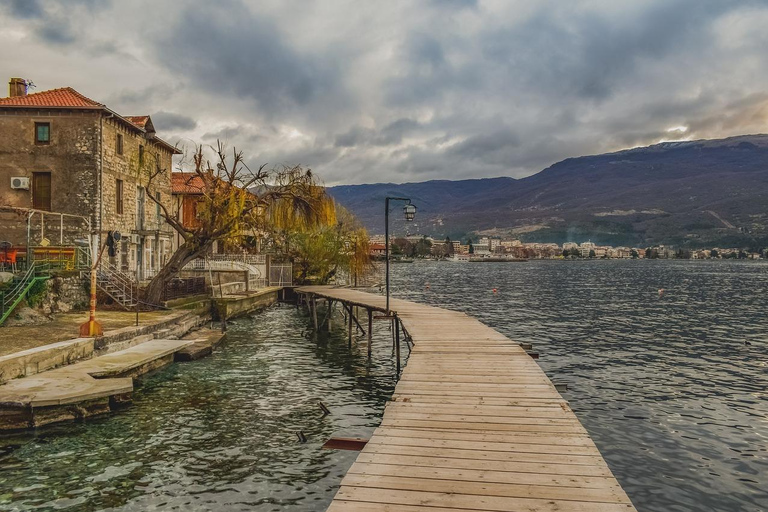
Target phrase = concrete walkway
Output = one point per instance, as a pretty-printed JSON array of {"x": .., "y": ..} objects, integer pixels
[
  {"x": 66, "y": 327},
  {"x": 82, "y": 389}
]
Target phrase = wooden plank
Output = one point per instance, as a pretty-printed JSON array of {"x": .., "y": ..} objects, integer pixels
[
  {"x": 483, "y": 437},
  {"x": 544, "y": 458},
  {"x": 510, "y": 490},
  {"x": 486, "y": 465},
  {"x": 474, "y": 424},
  {"x": 484, "y": 446},
  {"x": 472, "y": 502},
  {"x": 478, "y": 475}
]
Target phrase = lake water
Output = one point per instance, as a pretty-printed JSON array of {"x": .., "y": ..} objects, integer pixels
[
  {"x": 216, "y": 434},
  {"x": 673, "y": 390},
  {"x": 669, "y": 389}
]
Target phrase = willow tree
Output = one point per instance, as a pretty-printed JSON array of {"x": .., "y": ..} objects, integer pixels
[
  {"x": 232, "y": 199},
  {"x": 321, "y": 251}
]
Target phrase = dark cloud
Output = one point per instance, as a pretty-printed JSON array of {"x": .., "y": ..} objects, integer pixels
[
  {"x": 454, "y": 4},
  {"x": 54, "y": 22},
  {"x": 25, "y": 9},
  {"x": 485, "y": 146},
  {"x": 169, "y": 121},
  {"x": 413, "y": 90},
  {"x": 60, "y": 33},
  {"x": 355, "y": 136},
  {"x": 226, "y": 49}
]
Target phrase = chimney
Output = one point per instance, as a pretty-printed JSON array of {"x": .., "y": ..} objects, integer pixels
[{"x": 17, "y": 87}]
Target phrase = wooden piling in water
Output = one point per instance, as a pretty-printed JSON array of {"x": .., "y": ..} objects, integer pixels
[
  {"x": 349, "y": 329},
  {"x": 370, "y": 331},
  {"x": 314, "y": 312},
  {"x": 397, "y": 345}
]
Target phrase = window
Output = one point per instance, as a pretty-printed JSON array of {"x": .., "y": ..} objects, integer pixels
[
  {"x": 141, "y": 154},
  {"x": 157, "y": 207},
  {"x": 42, "y": 133},
  {"x": 119, "y": 144},
  {"x": 41, "y": 191},
  {"x": 119, "y": 196}
]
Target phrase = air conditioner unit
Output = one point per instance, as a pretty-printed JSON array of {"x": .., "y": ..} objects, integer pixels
[{"x": 20, "y": 183}]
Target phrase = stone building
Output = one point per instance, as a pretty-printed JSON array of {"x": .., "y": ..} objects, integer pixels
[{"x": 65, "y": 153}]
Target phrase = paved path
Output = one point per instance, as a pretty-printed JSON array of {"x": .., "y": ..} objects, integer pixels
[
  {"x": 474, "y": 424},
  {"x": 68, "y": 392}
]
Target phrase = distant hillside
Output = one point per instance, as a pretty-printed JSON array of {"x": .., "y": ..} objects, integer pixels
[{"x": 698, "y": 193}]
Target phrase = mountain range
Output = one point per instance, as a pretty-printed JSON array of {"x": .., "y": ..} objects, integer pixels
[{"x": 701, "y": 193}]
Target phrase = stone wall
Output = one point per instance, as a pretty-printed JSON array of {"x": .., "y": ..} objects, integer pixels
[
  {"x": 85, "y": 166},
  {"x": 128, "y": 168},
  {"x": 71, "y": 158},
  {"x": 65, "y": 293}
]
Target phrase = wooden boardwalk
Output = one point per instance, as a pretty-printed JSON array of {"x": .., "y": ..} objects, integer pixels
[{"x": 474, "y": 424}]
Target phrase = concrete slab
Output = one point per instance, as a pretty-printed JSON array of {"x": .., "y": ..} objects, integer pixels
[
  {"x": 40, "y": 359},
  {"x": 204, "y": 341},
  {"x": 81, "y": 389}
]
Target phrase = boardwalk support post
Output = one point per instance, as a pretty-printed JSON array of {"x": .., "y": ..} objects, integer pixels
[
  {"x": 397, "y": 344},
  {"x": 370, "y": 330},
  {"x": 314, "y": 312},
  {"x": 349, "y": 330}
]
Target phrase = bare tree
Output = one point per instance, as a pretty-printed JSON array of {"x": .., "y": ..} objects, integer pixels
[{"x": 234, "y": 199}]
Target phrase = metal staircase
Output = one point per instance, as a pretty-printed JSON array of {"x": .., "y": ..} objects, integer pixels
[
  {"x": 19, "y": 287},
  {"x": 117, "y": 284}
]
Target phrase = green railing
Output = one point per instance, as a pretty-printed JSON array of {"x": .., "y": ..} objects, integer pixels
[{"x": 19, "y": 287}]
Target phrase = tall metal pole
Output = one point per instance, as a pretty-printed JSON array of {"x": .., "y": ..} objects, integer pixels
[{"x": 386, "y": 245}]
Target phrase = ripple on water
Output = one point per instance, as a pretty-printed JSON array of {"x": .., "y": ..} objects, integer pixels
[
  {"x": 215, "y": 434},
  {"x": 669, "y": 391}
]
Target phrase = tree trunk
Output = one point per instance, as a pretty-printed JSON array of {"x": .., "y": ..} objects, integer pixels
[{"x": 183, "y": 255}]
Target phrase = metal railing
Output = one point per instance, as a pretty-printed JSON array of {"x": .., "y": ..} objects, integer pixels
[
  {"x": 251, "y": 259},
  {"x": 183, "y": 287},
  {"x": 10, "y": 298},
  {"x": 122, "y": 287},
  {"x": 256, "y": 271},
  {"x": 281, "y": 274},
  {"x": 62, "y": 257}
]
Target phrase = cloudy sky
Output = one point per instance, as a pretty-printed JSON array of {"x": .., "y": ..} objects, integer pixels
[{"x": 365, "y": 91}]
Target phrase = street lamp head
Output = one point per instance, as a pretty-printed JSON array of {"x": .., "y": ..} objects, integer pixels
[{"x": 410, "y": 211}]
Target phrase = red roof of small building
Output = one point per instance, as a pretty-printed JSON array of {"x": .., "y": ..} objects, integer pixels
[
  {"x": 139, "y": 121},
  {"x": 378, "y": 247},
  {"x": 65, "y": 97},
  {"x": 186, "y": 183}
]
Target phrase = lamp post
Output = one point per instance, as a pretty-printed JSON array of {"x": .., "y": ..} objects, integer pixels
[{"x": 409, "y": 210}]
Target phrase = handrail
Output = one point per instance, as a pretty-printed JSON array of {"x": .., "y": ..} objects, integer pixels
[
  {"x": 125, "y": 285},
  {"x": 9, "y": 301}
]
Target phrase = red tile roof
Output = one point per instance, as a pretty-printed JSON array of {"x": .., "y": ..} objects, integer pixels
[
  {"x": 66, "y": 97},
  {"x": 186, "y": 183},
  {"x": 140, "y": 121}
]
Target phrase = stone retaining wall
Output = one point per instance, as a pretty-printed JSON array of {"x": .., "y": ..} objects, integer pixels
[{"x": 66, "y": 292}]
